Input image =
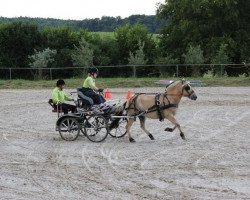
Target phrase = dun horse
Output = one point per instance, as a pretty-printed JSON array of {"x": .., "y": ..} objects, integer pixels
[{"x": 157, "y": 106}]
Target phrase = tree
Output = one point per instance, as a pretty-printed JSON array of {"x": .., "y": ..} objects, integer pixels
[
  {"x": 194, "y": 55},
  {"x": 127, "y": 38},
  {"x": 167, "y": 60},
  {"x": 17, "y": 41},
  {"x": 41, "y": 59},
  {"x": 206, "y": 23},
  {"x": 138, "y": 58},
  {"x": 63, "y": 40},
  {"x": 104, "y": 24},
  {"x": 83, "y": 54},
  {"x": 221, "y": 57},
  {"x": 105, "y": 49}
]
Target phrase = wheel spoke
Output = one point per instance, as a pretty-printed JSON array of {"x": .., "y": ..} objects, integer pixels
[
  {"x": 98, "y": 130},
  {"x": 64, "y": 125},
  {"x": 72, "y": 122},
  {"x": 69, "y": 128},
  {"x": 120, "y": 130}
]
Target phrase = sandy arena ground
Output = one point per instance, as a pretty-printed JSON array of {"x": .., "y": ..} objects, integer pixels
[{"x": 214, "y": 162}]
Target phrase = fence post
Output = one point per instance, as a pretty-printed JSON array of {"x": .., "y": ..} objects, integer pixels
[
  {"x": 221, "y": 71},
  {"x": 50, "y": 72},
  {"x": 134, "y": 71},
  {"x": 10, "y": 73},
  {"x": 177, "y": 70}
]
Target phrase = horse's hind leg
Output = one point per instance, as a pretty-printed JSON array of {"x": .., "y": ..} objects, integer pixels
[
  {"x": 172, "y": 119},
  {"x": 142, "y": 122},
  {"x": 128, "y": 126}
]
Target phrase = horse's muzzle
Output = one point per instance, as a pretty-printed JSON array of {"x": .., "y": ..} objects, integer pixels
[{"x": 193, "y": 96}]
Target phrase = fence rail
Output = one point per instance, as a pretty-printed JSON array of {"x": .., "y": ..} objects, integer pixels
[{"x": 177, "y": 70}]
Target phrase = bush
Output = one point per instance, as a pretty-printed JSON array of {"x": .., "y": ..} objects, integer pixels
[{"x": 194, "y": 55}]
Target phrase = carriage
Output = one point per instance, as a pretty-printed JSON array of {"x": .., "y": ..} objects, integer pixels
[
  {"x": 93, "y": 121},
  {"x": 96, "y": 122}
]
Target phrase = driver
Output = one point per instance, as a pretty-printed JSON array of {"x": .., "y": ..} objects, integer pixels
[{"x": 89, "y": 88}]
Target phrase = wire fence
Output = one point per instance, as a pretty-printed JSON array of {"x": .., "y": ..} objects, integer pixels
[{"x": 177, "y": 70}]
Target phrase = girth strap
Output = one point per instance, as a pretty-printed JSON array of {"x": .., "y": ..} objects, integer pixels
[{"x": 161, "y": 107}]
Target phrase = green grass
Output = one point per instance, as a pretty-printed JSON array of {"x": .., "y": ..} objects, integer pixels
[
  {"x": 155, "y": 37},
  {"x": 228, "y": 81},
  {"x": 105, "y": 34},
  {"x": 119, "y": 82}
]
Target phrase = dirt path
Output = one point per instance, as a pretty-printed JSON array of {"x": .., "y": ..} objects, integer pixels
[{"x": 214, "y": 162}]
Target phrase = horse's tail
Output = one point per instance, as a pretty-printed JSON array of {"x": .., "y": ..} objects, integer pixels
[{"x": 118, "y": 111}]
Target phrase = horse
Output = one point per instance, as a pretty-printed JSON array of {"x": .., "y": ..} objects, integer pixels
[{"x": 159, "y": 106}]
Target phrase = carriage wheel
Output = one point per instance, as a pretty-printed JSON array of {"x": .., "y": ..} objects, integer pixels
[
  {"x": 96, "y": 128},
  {"x": 120, "y": 130},
  {"x": 69, "y": 129}
]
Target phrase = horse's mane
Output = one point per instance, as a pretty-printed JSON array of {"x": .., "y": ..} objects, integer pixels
[{"x": 173, "y": 84}]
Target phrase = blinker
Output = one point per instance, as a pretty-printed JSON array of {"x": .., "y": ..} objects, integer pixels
[{"x": 187, "y": 87}]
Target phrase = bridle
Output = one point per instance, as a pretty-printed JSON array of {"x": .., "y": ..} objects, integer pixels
[
  {"x": 186, "y": 87},
  {"x": 158, "y": 106}
]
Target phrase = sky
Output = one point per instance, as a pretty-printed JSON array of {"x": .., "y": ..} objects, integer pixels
[{"x": 77, "y": 9}]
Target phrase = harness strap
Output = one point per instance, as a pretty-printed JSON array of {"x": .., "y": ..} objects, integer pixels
[
  {"x": 136, "y": 110},
  {"x": 153, "y": 108},
  {"x": 159, "y": 110},
  {"x": 161, "y": 107},
  {"x": 157, "y": 107}
]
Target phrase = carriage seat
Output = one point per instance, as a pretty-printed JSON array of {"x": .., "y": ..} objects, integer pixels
[
  {"x": 50, "y": 102},
  {"x": 85, "y": 100}
]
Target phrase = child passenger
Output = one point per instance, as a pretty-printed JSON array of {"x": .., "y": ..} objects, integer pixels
[{"x": 59, "y": 98}]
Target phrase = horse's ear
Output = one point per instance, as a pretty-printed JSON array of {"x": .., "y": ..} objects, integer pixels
[{"x": 183, "y": 80}]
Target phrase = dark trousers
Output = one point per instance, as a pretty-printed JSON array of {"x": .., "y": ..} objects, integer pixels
[
  {"x": 66, "y": 108},
  {"x": 97, "y": 98}
]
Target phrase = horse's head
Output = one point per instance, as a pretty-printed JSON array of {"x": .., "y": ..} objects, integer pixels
[
  {"x": 181, "y": 88},
  {"x": 187, "y": 91}
]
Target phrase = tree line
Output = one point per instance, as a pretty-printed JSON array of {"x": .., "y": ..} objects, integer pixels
[
  {"x": 193, "y": 32},
  {"x": 103, "y": 24},
  {"x": 209, "y": 31}
]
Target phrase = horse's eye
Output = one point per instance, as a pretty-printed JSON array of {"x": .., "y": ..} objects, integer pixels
[{"x": 187, "y": 87}]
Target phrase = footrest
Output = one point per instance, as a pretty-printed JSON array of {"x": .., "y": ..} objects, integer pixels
[{"x": 57, "y": 111}]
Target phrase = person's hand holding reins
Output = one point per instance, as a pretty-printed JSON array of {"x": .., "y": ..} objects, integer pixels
[{"x": 100, "y": 90}]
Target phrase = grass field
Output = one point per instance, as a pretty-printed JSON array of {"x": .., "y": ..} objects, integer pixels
[
  {"x": 119, "y": 82},
  {"x": 155, "y": 37}
]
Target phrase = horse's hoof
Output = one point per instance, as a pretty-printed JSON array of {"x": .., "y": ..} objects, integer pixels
[
  {"x": 151, "y": 137},
  {"x": 183, "y": 136},
  {"x": 131, "y": 140},
  {"x": 169, "y": 129}
]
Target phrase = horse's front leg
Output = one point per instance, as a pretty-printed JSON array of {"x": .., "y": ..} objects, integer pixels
[
  {"x": 142, "y": 122},
  {"x": 170, "y": 129},
  {"x": 128, "y": 127},
  {"x": 172, "y": 119}
]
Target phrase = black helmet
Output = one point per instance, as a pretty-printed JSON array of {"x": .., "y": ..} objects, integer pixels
[
  {"x": 93, "y": 70},
  {"x": 60, "y": 82}
]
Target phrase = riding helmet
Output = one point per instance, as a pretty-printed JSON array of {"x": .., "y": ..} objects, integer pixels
[{"x": 93, "y": 70}]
